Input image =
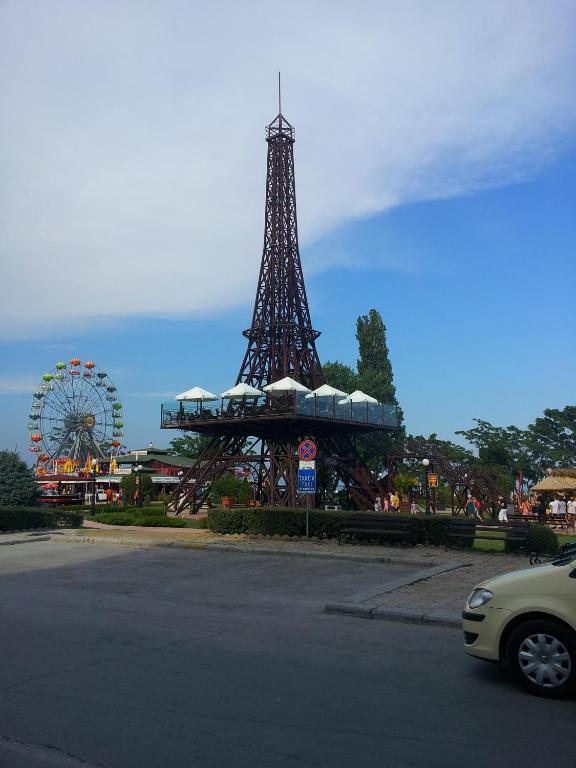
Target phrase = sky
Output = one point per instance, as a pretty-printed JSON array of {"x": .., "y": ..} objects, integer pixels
[{"x": 436, "y": 177}]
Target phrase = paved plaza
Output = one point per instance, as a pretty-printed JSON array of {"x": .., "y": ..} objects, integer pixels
[{"x": 118, "y": 657}]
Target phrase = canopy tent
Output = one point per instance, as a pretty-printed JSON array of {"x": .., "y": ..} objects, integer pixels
[
  {"x": 285, "y": 385},
  {"x": 555, "y": 483},
  {"x": 358, "y": 397},
  {"x": 196, "y": 393},
  {"x": 242, "y": 390},
  {"x": 327, "y": 391}
]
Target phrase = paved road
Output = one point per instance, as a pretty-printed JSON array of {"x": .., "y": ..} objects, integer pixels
[{"x": 165, "y": 659}]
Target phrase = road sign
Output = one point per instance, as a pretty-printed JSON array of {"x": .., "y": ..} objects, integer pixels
[
  {"x": 432, "y": 480},
  {"x": 307, "y": 450},
  {"x": 306, "y": 465},
  {"x": 306, "y": 481}
]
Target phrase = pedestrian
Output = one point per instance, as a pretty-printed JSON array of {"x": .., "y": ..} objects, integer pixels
[
  {"x": 413, "y": 508},
  {"x": 477, "y": 509},
  {"x": 395, "y": 501},
  {"x": 386, "y": 504},
  {"x": 540, "y": 508},
  {"x": 377, "y": 504},
  {"x": 502, "y": 510},
  {"x": 470, "y": 508}
]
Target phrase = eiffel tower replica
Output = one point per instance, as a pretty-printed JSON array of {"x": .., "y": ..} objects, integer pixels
[{"x": 263, "y": 435}]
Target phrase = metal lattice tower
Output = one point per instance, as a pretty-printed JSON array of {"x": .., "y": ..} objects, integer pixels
[{"x": 281, "y": 340}]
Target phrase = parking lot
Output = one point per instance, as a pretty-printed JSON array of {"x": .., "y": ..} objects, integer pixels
[{"x": 120, "y": 658}]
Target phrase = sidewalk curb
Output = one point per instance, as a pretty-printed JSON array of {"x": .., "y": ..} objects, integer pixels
[
  {"x": 249, "y": 549},
  {"x": 47, "y": 537},
  {"x": 401, "y": 615}
]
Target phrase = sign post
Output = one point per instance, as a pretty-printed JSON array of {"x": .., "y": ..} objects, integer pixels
[{"x": 307, "y": 474}]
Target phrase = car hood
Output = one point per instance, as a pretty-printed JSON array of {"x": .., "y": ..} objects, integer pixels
[{"x": 539, "y": 580}]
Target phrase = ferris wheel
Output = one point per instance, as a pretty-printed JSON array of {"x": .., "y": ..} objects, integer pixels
[{"x": 75, "y": 415}]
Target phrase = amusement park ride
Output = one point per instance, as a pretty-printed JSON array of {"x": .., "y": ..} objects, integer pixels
[
  {"x": 263, "y": 430},
  {"x": 75, "y": 417}
]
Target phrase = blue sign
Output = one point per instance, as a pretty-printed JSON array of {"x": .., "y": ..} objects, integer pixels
[{"x": 306, "y": 481}]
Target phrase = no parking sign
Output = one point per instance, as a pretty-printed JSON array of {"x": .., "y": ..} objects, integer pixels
[{"x": 307, "y": 450}]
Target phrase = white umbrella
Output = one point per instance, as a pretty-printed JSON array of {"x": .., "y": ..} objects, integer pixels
[
  {"x": 285, "y": 385},
  {"x": 196, "y": 393},
  {"x": 327, "y": 391},
  {"x": 242, "y": 390},
  {"x": 358, "y": 397}
]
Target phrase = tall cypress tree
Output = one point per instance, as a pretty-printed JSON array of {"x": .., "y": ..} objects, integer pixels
[{"x": 375, "y": 375}]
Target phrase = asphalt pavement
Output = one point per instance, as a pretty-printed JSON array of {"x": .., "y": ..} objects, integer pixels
[{"x": 156, "y": 658}]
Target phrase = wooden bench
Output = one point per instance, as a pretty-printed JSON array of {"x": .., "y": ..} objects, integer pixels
[
  {"x": 466, "y": 531},
  {"x": 399, "y": 530}
]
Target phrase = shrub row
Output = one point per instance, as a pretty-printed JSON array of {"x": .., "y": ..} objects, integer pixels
[
  {"x": 27, "y": 518},
  {"x": 278, "y": 521},
  {"x": 144, "y": 517}
]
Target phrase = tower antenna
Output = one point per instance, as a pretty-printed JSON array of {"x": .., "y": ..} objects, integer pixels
[{"x": 279, "y": 95}]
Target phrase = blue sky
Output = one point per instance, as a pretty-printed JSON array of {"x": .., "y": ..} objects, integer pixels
[
  {"x": 479, "y": 310},
  {"x": 435, "y": 169}
]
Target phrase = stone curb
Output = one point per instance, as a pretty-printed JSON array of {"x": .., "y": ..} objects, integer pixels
[
  {"x": 403, "y": 615},
  {"x": 247, "y": 548},
  {"x": 29, "y": 540}
]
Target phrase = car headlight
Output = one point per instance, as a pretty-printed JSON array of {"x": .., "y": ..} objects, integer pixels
[{"x": 480, "y": 597}]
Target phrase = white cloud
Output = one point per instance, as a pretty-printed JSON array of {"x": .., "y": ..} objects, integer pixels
[
  {"x": 19, "y": 385},
  {"x": 132, "y": 151}
]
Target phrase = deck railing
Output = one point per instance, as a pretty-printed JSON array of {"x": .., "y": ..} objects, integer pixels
[{"x": 186, "y": 413}]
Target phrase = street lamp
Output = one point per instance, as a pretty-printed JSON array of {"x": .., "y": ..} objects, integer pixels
[
  {"x": 93, "y": 465},
  {"x": 426, "y": 464},
  {"x": 137, "y": 493}
]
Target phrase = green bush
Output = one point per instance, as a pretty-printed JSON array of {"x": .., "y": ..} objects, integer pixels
[
  {"x": 200, "y": 522},
  {"x": 226, "y": 520},
  {"x": 28, "y": 518},
  {"x": 161, "y": 522},
  {"x": 542, "y": 539},
  {"x": 144, "y": 520},
  {"x": 286, "y": 521},
  {"x": 114, "y": 518}
]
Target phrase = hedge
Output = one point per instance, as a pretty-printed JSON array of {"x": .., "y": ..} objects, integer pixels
[
  {"x": 145, "y": 520},
  {"x": 285, "y": 521},
  {"x": 28, "y": 518}
]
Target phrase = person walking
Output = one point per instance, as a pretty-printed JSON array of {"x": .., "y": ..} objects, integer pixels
[
  {"x": 470, "y": 508},
  {"x": 502, "y": 510},
  {"x": 395, "y": 501},
  {"x": 377, "y": 504}
]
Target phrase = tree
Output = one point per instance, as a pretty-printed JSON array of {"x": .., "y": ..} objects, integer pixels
[
  {"x": 502, "y": 451},
  {"x": 18, "y": 485},
  {"x": 189, "y": 444},
  {"x": 340, "y": 376},
  {"x": 128, "y": 484},
  {"x": 452, "y": 451},
  {"x": 375, "y": 375},
  {"x": 551, "y": 439}
]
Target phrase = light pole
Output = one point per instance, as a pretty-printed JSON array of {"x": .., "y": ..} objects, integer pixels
[
  {"x": 137, "y": 493},
  {"x": 93, "y": 465},
  {"x": 426, "y": 464}
]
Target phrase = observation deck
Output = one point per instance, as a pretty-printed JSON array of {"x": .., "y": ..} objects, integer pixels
[{"x": 291, "y": 411}]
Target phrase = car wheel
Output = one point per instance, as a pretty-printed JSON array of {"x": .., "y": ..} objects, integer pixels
[{"x": 542, "y": 657}]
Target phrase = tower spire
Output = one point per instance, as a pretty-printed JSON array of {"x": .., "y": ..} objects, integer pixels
[{"x": 281, "y": 340}]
